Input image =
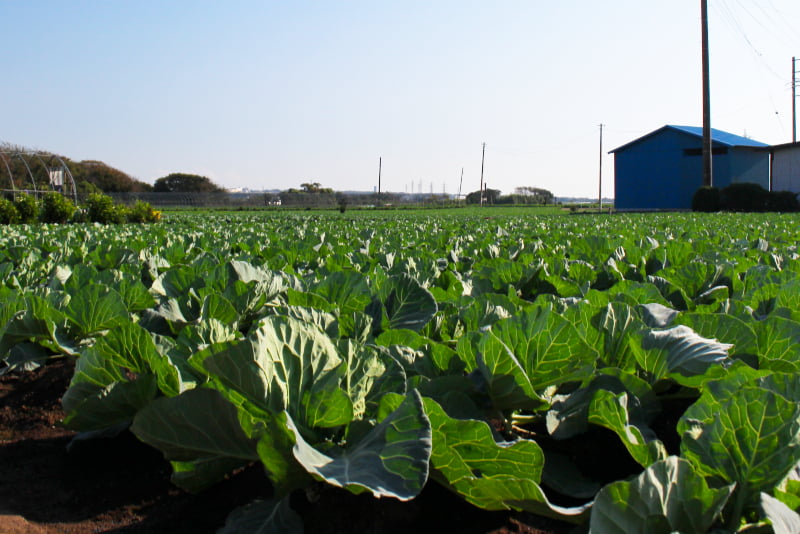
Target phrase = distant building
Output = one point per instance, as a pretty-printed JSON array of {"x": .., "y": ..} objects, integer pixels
[
  {"x": 786, "y": 167},
  {"x": 663, "y": 169}
]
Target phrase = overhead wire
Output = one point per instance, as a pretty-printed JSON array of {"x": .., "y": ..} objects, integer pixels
[
  {"x": 728, "y": 15},
  {"x": 780, "y": 20}
]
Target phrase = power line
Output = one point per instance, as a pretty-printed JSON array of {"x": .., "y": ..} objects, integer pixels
[{"x": 728, "y": 16}]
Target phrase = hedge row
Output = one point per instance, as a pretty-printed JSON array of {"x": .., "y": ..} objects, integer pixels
[
  {"x": 56, "y": 208},
  {"x": 744, "y": 197}
]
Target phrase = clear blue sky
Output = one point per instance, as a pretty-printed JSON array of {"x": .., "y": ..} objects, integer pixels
[{"x": 273, "y": 93}]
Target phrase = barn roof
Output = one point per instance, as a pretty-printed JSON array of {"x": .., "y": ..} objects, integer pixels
[{"x": 717, "y": 136}]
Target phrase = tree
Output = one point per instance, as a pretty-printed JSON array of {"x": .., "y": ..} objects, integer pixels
[
  {"x": 534, "y": 195},
  {"x": 185, "y": 183},
  {"x": 105, "y": 178},
  {"x": 311, "y": 187},
  {"x": 490, "y": 196},
  {"x": 314, "y": 187}
]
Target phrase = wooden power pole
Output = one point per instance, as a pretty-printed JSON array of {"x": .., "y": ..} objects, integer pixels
[
  {"x": 483, "y": 157},
  {"x": 708, "y": 180},
  {"x": 794, "y": 100},
  {"x": 600, "y": 178}
]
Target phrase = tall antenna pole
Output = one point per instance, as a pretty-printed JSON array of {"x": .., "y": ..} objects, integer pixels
[
  {"x": 380, "y": 161},
  {"x": 708, "y": 180},
  {"x": 483, "y": 156},
  {"x": 600, "y": 179},
  {"x": 460, "y": 182}
]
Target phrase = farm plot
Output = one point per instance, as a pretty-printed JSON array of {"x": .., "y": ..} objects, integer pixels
[{"x": 626, "y": 373}]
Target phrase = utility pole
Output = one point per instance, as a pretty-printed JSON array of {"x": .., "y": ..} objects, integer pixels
[
  {"x": 483, "y": 157},
  {"x": 794, "y": 100},
  {"x": 600, "y": 179},
  {"x": 708, "y": 180},
  {"x": 460, "y": 183},
  {"x": 380, "y": 161}
]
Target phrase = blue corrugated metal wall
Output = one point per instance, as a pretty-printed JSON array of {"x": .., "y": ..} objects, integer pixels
[{"x": 656, "y": 172}]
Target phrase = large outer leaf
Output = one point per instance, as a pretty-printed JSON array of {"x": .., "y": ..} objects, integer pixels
[
  {"x": 117, "y": 377},
  {"x": 196, "y": 424},
  {"x": 784, "y": 520},
  {"x": 407, "y": 304},
  {"x": 491, "y": 475},
  {"x": 507, "y": 384},
  {"x": 95, "y": 308},
  {"x": 725, "y": 327},
  {"x": 778, "y": 344},
  {"x": 569, "y": 414},
  {"x": 35, "y": 319},
  {"x": 199, "y": 430},
  {"x": 613, "y": 412},
  {"x": 678, "y": 350},
  {"x": 90, "y": 406},
  {"x": 669, "y": 496},
  {"x": 390, "y": 461},
  {"x": 752, "y": 438},
  {"x": 346, "y": 290},
  {"x": 263, "y": 517}
]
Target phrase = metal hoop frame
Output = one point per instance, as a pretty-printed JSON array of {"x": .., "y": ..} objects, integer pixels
[{"x": 45, "y": 160}]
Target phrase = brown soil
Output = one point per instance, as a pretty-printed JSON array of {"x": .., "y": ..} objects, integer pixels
[{"x": 120, "y": 485}]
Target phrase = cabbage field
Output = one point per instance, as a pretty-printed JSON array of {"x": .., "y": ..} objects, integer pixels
[{"x": 488, "y": 352}]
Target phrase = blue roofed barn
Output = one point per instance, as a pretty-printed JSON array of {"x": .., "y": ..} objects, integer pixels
[{"x": 663, "y": 169}]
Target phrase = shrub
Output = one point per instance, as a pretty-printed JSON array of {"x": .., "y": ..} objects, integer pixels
[
  {"x": 744, "y": 197},
  {"x": 706, "y": 199},
  {"x": 8, "y": 212},
  {"x": 784, "y": 201},
  {"x": 56, "y": 208},
  {"x": 102, "y": 209},
  {"x": 142, "y": 212},
  {"x": 27, "y": 207},
  {"x": 80, "y": 216}
]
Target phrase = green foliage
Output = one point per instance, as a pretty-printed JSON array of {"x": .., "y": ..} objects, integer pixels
[
  {"x": 27, "y": 207},
  {"x": 8, "y": 212},
  {"x": 529, "y": 195},
  {"x": 706, "y": 199},
  {"x": 97, "y": 177},
  {"x": 102, "y": 209},
  {"x": 185, "y": 183},
  {"x": 142, "y": 212},
  {"x": 522, "y": 195},
  {"x": 490, "y": 196},
  {"x": 669, "y": 496},
  {"x": 85, "y": 188},
  {"x": 385, "y": 352},
  {"x": 743, "y": 197},
  {"x": 56, "y": 208},
  {"x": 783, "y": 201}
]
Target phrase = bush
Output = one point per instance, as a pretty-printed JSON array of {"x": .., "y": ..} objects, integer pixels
[
  {"x": 142, "y": 212},
  {"x": 102, "y": 209},
  {"x": 56, "y": 208},
  {"x": 80, "y": 216},
  {"x": 706, "y": 199},
  {"x": 27, "y": 207},
  {"x": 744, "y": 197},
  {"x": 784, "y": 201},
  {"x": 8, "y": 212}
]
